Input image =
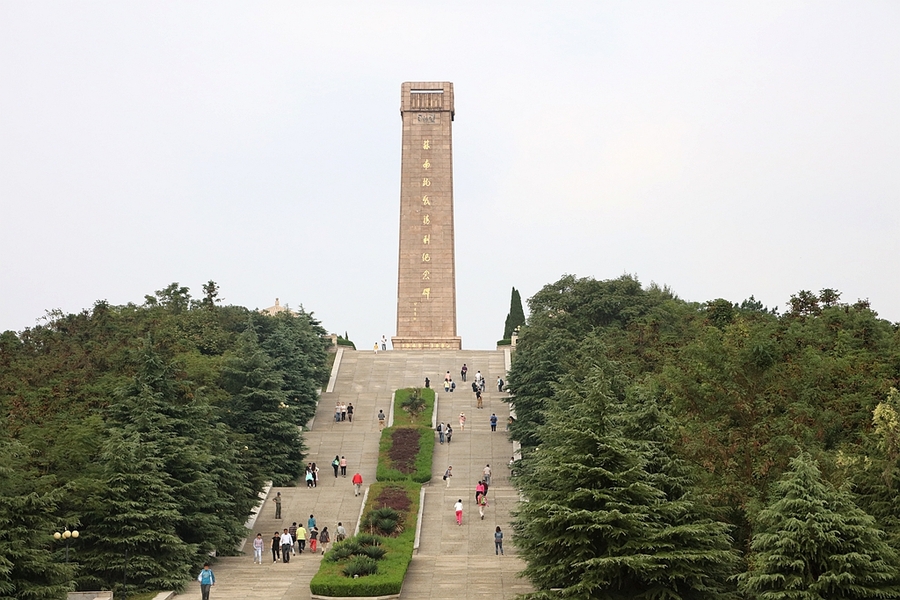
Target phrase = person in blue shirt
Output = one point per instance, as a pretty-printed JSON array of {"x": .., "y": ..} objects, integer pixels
[
  {"x": 311, "y": 523},
  {"x": 207, "y": 579}
]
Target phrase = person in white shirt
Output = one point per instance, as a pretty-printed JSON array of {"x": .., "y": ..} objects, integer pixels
[{"x": 458, "y": 507}]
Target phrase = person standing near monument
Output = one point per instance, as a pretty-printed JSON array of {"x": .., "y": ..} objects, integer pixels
[
  {"x": 463, "y": 371},
  {"x": 357, "y": 483},
  {"x": 277, "y": 501},
  {"x": 207, "y": 579},
  {"x": 384, "y": 343}
]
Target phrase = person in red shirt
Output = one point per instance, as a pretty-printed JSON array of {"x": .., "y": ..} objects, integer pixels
[{"x": 357, "y": 483}]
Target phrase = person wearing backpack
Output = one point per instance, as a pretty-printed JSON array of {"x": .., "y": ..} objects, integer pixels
[
  {"x": 207, "y": 579},
  {"x": 324, "y": 539}
]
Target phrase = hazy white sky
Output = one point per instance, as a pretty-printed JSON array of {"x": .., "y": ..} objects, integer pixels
[{"x": 723, "y": 149}]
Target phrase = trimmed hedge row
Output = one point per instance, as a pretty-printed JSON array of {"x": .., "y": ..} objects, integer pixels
[
  {"x": 388, "y": 580},
  {"x": 386, "y": 470}
]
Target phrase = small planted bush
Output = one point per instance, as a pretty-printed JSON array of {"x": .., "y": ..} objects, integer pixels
[
  {"x": 360, "y": 566},
  {"x": 384, "y": 521},
  {"x": 374, "y": 552},
  {"x": 367, "y": 539}
]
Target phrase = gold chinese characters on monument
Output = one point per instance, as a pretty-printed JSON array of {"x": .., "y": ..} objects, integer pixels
[{"x": 426, "y": 288}]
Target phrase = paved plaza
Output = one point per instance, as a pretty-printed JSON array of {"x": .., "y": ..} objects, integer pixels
[{"x": 452, "y": 561}]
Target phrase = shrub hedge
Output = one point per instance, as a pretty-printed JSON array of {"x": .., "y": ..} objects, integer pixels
[{"x": 391, "y": 569}]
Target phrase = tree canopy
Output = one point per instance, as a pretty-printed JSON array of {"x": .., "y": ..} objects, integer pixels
[{"x": 143, "y": 426}]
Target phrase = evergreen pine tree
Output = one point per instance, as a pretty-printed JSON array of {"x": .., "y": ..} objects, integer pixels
[
  {"x": 597, "y": 524},
  {"x": 813, "y": 543},
  {"x": 258, "y": 408},
  {"x": 516, "y": 316},
  {"x": 28, "y": 569}
]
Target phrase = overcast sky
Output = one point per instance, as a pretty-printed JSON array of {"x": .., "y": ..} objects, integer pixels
[{"x": 720, "y": 148}]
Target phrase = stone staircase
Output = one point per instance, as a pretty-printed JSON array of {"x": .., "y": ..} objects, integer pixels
[{"x": 451, "y": 561}]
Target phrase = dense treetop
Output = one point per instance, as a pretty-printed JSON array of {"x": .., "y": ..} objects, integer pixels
[
  {"x": 150, "y": 428},
  {"x": 740, "y": 390}
]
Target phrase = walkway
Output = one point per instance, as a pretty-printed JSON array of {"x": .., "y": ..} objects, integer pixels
[{"x": 452, "y": 562}]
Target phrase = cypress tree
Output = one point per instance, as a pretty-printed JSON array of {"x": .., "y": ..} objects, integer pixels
[
  {"x": 813, "y": 543},
  {"x": 515, "y": 317}
]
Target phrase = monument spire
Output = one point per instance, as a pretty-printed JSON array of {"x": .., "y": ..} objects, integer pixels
[{"x": 426, "y": 283}]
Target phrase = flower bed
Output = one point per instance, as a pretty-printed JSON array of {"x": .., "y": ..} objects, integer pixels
[
  {"x": 357, "y": 554},
  {"x": 405, "y": 454}
]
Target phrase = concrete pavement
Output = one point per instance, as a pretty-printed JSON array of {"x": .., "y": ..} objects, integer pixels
[{"x": 452, "y": 561}]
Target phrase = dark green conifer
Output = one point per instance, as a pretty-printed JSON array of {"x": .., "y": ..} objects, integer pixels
[
  {"x": 516, "y": 316},
  {"x": 813, "y": 543}
]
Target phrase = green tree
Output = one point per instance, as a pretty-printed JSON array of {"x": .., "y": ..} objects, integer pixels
[
  {"x": 516, "y": 316},
  {"x": 812, "y": 542},
  {"x": 28, "y": 569},
  {"x": 608, "y": 516},
  {"x": 258, "y": 409},
  {"x": 414, "y": 403}
]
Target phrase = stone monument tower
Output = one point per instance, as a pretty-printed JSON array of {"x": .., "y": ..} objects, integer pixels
[{"x": 426, "y": 286}]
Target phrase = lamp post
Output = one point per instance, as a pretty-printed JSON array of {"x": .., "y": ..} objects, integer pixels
[{"x": 65, "y": 535}]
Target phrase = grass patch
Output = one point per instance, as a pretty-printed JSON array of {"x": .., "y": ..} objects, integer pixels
[
  {"x": 390, "y": 569},
  {"x": 403, "y": 418}
]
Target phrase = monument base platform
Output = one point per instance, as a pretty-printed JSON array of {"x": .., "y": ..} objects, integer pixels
[{"x": 415, "y": 343}]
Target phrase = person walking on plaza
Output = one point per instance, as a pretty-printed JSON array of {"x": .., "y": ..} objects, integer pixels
[
  {"x": 447, "y": 475},
  {"x": 277, "y": 501},
  {"x": 324, "y": 539},
  {"x": 478, "y": 401},
  {"x": 343, "y": 467},
  {"x": 462, "y": 421},
  {"x": 276, "y": 547},
  {"x": 381, "y": 419},
  {"x": 498, "y": 541},
  {"x": 207, "y": 579},
  {"x": 463, "y": 371},
  {"x": 357, "y": 483},
  {"x": 313, "y": 539},
  {"x": 335, "y": 464},
  {"x": 474, "y": 388},
  {"x": 301, "y": 539},
  {"x": 499, "y": 384},
  {"x": 337, "y": 411},
  {"x": 449, "y": 433},
  {"x": 447, "y": 386},
  {"x": 350, "y": 412},
  {"x": 458, "y": 507},
  {"x": 343, "y": 412},
  {"x": 487, "y": 474},
  {"x": 341, "y": 533},
  {"x": 315, "y": 473},
  {"x": 311, "y": 523},
  {"x": 384, "y": 343},
  {"x": 479, "y": 492},
  {"x": 286, "y": 543},
  {"x": 494, "y": 422},
  {"x": 440, "y": 430},
  {"x": 258, "y": 544},
  {"x": 482, "y": 504},
  {"x": 293, "y": 531},
  {"x": 309, "y": 477}
]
